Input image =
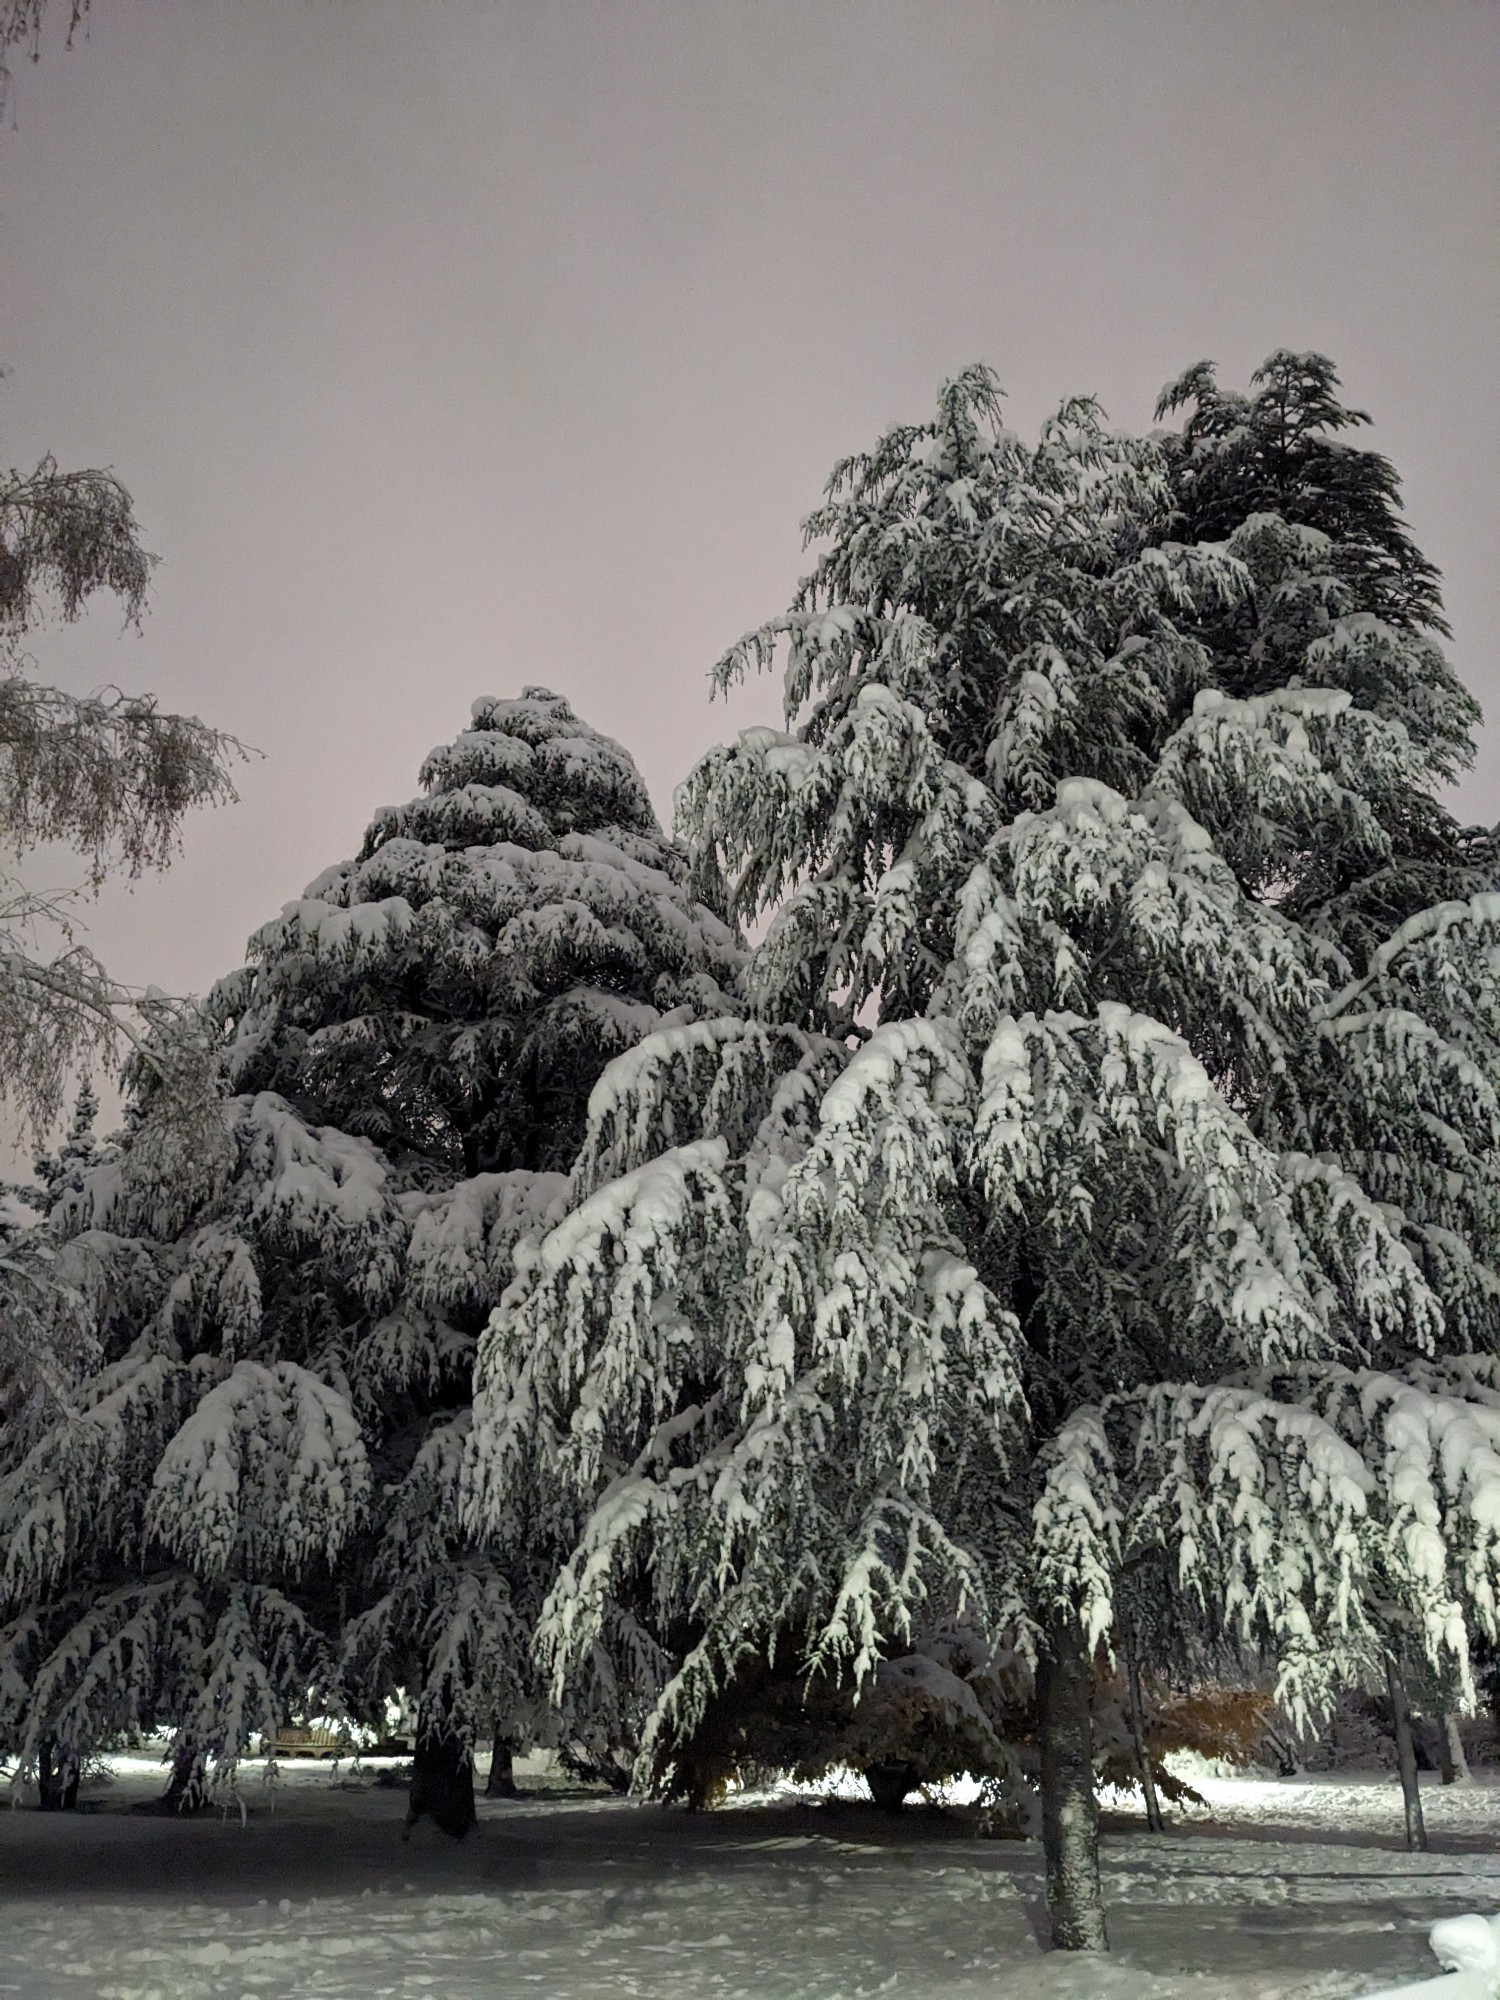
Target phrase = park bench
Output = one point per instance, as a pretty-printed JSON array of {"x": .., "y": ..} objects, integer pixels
[{"x": 292, "y": 1741}]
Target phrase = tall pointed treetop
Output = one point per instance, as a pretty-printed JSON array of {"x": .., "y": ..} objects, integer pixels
[{"x": 454, "y": 991}]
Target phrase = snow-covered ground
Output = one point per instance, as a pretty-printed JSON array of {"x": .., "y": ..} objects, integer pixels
[{"x": 1282, "y": 1890}]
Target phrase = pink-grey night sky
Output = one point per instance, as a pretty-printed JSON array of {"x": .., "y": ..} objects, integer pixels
[{"x": 447, "y": 348}]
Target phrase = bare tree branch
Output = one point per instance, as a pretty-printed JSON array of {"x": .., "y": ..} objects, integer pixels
[
  {"x": 107, "y": 773},
  {"x": 21, "y": 27},
  {"x": 67, "y": 535}
]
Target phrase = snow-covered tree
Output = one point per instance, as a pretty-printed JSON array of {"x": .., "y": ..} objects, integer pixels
[
  {"x": 64, "y": 1171},
  {"x": 211, "y": 1466},
  {"x": 111, "y": 777},
  {"x": 1340, "y": 597},
  {"x": 252, "y": 1497},
  {"x": 454, "y": 992},
  {"x": 1003, "y": 1260},
  {"x": 108, "y": 775},
  {"x": 45, "y": 1336}
]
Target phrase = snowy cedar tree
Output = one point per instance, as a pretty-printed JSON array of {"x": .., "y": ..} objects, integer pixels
[
  {"x": 1342, "y": 598},
  {"x": 1130, "y": 1256},
  {"x": 252, "y": 1499}
]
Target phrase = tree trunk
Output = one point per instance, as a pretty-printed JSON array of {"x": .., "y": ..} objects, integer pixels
[
  {"x": 1453, "y": 1765},
  {"x": 442, "y": 1784},
  {"x": 56, "y": 1780},
  {"x": 1406, "y": 1758},
  {"x": 890, "y": 1783},
  {"x": 501, "y": 1783},
  {"x": 1288, "y": 1751},
  {"x": 1138, "y": 1731},
  {"x": 186, "y": 1791},
  {"x": 1070, "y": 1811}
]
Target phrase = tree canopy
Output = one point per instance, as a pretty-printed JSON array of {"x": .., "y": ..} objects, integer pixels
[
  {"x": 1039, "y": 1299},
  {"x": 253, "y": 1494}
]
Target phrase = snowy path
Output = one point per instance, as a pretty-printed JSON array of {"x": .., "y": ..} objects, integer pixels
[{"x": 598, "y": 1899}]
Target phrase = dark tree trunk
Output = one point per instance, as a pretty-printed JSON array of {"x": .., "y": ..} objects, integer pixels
[
  {"x": 186, "y": 1791},
  {"x": 1142, "y": 1752},
  {"x": 1453, "y": 1765},
  {"x": 1289, "y": 1760},
  {"x": 501, "y": 1783},
  {"x": 890, "y": 1783},
  {"x": 1406, "y": 1758},
  {"x": 442, "y": 1784},
  {"x": 1070, "y": 1811},
  {"x": 56, "y": 1780}
]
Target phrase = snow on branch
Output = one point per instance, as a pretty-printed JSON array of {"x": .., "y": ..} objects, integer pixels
[
  {"x": 1221, "y": 1466},
  {"x": 268, "y": 1471},
  {"x": 1076, "y": 1523}
]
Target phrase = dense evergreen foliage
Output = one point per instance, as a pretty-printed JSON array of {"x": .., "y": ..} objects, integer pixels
[
  {"x": 252, "y": 1499},
  {"x": 1069, "y": 1243},
  {"x": 1086, "y": 1165}
]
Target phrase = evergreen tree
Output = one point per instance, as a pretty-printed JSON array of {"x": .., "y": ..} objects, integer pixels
[
  {"x": 64, "y": 1172},
  {"x": 45, "y": 1335},
  {"x": 1339, "y": 596},
  {"x": 453, "y": 993},
  {"x": 253, "y": 1497},
  {"x": 1034, "y": 1300}
]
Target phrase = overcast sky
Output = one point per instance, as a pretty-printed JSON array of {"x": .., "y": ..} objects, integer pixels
[{"x": 452, "y": 347}]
